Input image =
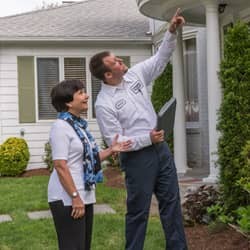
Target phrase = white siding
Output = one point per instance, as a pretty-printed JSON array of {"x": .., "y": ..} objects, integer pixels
[{"x": 37, "y": 134}]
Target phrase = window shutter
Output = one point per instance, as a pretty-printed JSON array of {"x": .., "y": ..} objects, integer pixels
[
  {"x": 96, "y": 84},
  {"x": 48, "y": 77},
  {"x": 26, "y": 89},
  {"x": 75, "y": 68}
]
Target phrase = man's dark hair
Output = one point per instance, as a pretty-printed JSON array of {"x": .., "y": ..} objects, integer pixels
[
  {"x": 97, "y": 67},
  {"x": 63, "y": 93}
]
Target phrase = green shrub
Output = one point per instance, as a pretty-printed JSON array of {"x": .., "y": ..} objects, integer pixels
[
  {"x": 216, "y": 214},
  {"x": 244, "y": 181},
  {"x": 244, "y": 218},
  {"x": 234, "y": 115},
  {"x": 48, "y": 156},
  {"x": 162, "y": 92},
  {"x": 14, "y": 156}
]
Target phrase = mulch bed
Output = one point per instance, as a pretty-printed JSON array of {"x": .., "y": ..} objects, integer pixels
[
  {"x": 35, "y": 172},
  {"x": 198, "y": 237}
]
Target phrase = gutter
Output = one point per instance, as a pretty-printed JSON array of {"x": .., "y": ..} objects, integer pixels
[{"x": 144, "y": 40}]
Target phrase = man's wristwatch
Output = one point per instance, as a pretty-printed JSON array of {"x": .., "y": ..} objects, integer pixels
[{"x": 74, "y": 194}]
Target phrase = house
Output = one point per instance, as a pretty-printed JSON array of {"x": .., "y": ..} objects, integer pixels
[
  {"x": 199, "y": 49},
  {"x": 40, "y": 48}
]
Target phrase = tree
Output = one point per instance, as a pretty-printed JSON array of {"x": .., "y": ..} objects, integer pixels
[{"x": 234, "y": 115}]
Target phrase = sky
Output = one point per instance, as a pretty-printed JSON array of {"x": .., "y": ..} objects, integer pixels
[{"x": 12, "y": 7}]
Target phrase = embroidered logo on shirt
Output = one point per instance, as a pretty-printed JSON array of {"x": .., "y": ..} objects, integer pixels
[
  {"x": 136, "y": 87},
  {"x": 119, "y": 104}
]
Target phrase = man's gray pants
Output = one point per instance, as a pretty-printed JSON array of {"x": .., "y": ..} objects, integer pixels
[{"x": 152, "y": 170}]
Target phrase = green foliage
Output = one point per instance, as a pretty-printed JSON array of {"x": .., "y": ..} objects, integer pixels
[
  {"x": 244, "y": 218},
  {"x": 14, "y": 156},
  {"x": 162, "y": 92},
  {"x": 162, "y": 88},
  {"x": 48, "y": 156},
  {"x": 244, "y": 181},
  {"x": 216, "y": 214},
  {"x": 234, "y": 115}
]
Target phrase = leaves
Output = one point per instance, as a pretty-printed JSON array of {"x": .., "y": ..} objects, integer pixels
[
  {"x": 196, "y": 204},
  {"x": 14, "y": 156},
  {"x": 234, "y": 116}
]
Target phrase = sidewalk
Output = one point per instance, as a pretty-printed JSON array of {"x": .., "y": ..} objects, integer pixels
[{"x": 36, "y": 215}]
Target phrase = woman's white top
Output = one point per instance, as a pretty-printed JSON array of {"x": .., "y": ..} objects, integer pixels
[{"x": 66, "y": 145}]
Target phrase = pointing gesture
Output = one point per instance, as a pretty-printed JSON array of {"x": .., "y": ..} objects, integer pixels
[{"x": 176, "y": 21}]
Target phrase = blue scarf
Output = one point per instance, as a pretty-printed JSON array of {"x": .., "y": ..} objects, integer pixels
[{"x": 91, "y": 159}]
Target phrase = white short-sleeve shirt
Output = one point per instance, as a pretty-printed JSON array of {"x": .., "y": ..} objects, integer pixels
[{"x": 66, "y": 145}]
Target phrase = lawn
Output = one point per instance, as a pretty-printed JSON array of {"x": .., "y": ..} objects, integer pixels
[{"x": 21, "y": 195}]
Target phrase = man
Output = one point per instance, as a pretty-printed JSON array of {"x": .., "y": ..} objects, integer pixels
[{"x": 123, "y": 107}]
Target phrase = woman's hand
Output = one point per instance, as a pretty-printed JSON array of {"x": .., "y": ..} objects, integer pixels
[
  {"x": 117, "y": 147},
  {"x": 78, "y": 208}
]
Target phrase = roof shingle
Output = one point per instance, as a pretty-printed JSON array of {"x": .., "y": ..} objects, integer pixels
[{"x": 91, "y": 18}]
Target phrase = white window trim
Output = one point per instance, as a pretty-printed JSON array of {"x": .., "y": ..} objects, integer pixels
[{"x": 89, "y": 91}]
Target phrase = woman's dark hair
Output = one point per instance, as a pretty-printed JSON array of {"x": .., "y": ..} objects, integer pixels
[
  {"x": 97, "y": 66},
  {"x": 63, "y": 93}
]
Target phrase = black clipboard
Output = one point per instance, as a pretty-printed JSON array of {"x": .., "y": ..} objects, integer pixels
[{"x": 166, "y": 117}]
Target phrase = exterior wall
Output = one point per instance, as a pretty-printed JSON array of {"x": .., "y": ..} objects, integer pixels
[{"x": 36, "y": 134}]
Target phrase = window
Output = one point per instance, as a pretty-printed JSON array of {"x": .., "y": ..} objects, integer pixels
[
  {"x": 75, "y": 68},
  {"x": 47, "y": 77},
  {"x": 96, "y": 84},
  {"x": 191, "y": 85}
]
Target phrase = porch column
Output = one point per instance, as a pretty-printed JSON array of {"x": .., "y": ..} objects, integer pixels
[
  {"x": 213, "y": 83},
  {"x": 180, "y": 148}
]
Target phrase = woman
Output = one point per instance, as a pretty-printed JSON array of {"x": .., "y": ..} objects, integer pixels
[{"x": 71, "y": 188}]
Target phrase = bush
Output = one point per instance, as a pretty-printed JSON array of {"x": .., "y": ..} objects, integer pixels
[
  {"x": 14, "y": 156},
  {"x": 162, "y": 92},
  {"x": 244, "y": 218},
  {"x": 196, "y": 204},
  {"x": 234, "y": 116},
  {"x": 48, "y": 156},
  {"x": 244, "y": 181}
]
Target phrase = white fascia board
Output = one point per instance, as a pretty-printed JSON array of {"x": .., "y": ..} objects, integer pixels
[{"x": 76, "y": 39}]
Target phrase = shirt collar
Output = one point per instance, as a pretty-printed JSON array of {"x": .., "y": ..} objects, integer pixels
[{"x": 110, "y": 89}]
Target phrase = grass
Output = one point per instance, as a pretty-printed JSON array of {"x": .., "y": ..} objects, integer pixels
[{"x": 21, "y": 195}]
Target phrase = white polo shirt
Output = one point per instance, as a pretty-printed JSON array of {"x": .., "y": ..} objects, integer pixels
[
  {"x": 66, "y": 145},
  {"x": 126, "y": 109}
]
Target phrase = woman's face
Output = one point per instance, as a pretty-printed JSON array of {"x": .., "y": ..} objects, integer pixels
[{"x": 79, "y": 102}]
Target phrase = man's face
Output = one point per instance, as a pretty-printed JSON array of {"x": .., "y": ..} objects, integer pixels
[{"x": 116, "y": 66}]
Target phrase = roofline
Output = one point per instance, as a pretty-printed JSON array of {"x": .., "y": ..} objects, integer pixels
[{"x": 147, "y": 40}]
